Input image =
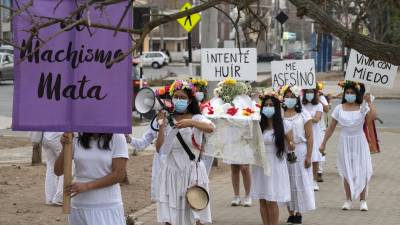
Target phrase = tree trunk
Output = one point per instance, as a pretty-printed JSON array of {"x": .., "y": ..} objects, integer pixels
[{"x": 37, "y": 154}]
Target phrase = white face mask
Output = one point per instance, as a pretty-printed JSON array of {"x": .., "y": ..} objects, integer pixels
[{"x": 199, "y": 96}]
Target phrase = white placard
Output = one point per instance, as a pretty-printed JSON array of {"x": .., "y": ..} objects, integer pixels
[
  {"x": 299, "y": 73},
  {"x": 368, "y": 71},
  {"x": 220, "y": 63}
]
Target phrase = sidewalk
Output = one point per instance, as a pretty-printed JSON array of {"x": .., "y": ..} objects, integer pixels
[{"x": 383, "y": 198}]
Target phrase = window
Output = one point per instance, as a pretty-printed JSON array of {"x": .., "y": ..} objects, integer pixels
[
  {"x": 9, "y": 59},
  {"x": 179, "y": 47},
  {"x": 157, "y": 55},
  {"x": 5, "y": 12}
]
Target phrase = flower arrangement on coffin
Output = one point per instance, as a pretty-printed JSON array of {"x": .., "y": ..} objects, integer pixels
[
  {"x": 229, "y": 88},
  {"x": 232, "y": 99}
]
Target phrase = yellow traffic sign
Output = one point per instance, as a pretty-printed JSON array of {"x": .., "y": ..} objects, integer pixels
[{"x": 188, "y": 22}]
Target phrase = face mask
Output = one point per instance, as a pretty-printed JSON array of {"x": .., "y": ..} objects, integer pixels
[
  {"x": 350, "y": 98},
  {"x": 268, "y": 111},
  {"x": 180, "y": 105},
  {"x": 290, "y": 102},
  {"x": 199, "y": 96},
  {"x": 309, "y": 96}
]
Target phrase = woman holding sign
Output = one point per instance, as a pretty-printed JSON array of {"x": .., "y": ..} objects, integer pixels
[
  {"x": 311, "y": 103},
  {"x": 178, "y": 138},
  {"x": 300, "y": 173},
  {"x": 271, "y": 190},
  {"x": 100, "y": 165},
  {"x": 354, "y": 160}
]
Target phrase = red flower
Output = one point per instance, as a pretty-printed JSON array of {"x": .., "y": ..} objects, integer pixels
[
  {"x": 232, "y": 111},
  {"x": 210, "y": 110},
  {"x": 205, "y": 105},
  {"x": 258, "y": 106},
  {"x": 247, "y": 111}
]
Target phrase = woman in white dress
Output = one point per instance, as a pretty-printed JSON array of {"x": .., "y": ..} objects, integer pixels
[
  {"x": 54, "y": 184},
  {"x": 100, "y": 165},
  {"x": 300, "y": 173},
  {"x": 180, "y": 170},
  {"x": 354, "y": 160},
  {"x": 273, "y": 189},
  {"x": 311, "y": 103},
  {"x": 142, "y": 143},
  {"x": 323, "y": 124}
]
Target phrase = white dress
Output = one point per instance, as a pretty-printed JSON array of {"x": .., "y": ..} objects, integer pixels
[
  {"x": 54, "y": 184},
  {"x": 354, "y": 159},
  {"x": 301, "y": 179},
  {"x": 101, "y": 206},
  {"x": 147, "y": 139},
  {"x": 177, "y": 174},
  {"x": 274, "y": 188},
  {"x": 316, "y": 127}
]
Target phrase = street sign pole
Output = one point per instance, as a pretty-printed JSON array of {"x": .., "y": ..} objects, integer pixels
[
  {"x": 282, "y": 18},
  {"x": 189, "y": 44},
  {"x": 282, "y": 41},
  {"x": 188, "y": 23}
]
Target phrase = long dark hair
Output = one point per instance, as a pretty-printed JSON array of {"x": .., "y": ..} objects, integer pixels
[
  {"x": 314, "y": 101},
  {"x": 193, "y": 107},
  {"x": 103, "y": 140},
  {"x": 358, "y": 92},
  {"x": 298, "y": 108},
  {"x": 277, "y": 125}
]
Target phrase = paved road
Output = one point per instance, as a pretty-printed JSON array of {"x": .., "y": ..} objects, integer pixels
[{"x": 383, "y": 199}]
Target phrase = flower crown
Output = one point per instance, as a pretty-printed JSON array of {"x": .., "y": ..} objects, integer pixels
[
  {"x": 200, "y": 84},
  {"x": 294, "y": 89},
  {"x": 320, "y": 85},
  {"x": 182, "y": 85},
  {"x": 270, "y": 93},
  {"x": 347, "y": 84},
  {"x": 162, "y": 91}
]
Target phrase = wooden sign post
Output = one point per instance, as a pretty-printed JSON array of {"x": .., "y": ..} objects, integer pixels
[{"x": 67, "y": 172}]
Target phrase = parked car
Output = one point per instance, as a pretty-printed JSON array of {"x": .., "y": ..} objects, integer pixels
[
  {"x": 6, "y": 66},
  {"x": 136, "y": 80},
  {"x": 7, "y": 49},
  {"x": 268, "y": 57},
  {"x": 154, "y": 59}
]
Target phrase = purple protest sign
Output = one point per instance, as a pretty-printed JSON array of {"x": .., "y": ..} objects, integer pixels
[{"x": 69, "y": 84}]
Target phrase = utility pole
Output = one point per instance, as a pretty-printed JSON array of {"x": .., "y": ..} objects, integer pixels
[
  {"x": 1, "y": 26},
  {"x": 209, "y": 34}
]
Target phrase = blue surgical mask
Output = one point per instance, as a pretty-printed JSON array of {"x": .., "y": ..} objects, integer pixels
[
  {"x": 199, "y": 96},
  {"x": 180, "y": 105},
  {"x": 350, "y": 98},
  {"x": 309, "y": 96},
  {"x": 290, "y": 102},
  {"x": 268, "y": 111}
]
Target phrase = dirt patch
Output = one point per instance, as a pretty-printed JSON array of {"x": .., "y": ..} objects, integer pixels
[
  {"x": 14, "y": 142},
  {"x": 22, "y": 193}
]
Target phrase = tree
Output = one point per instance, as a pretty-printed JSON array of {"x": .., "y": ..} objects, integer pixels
[{"x": 315, "y": 9}]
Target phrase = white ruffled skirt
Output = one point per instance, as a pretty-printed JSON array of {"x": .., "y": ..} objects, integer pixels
[
  {"x": 354, "y": 162},
  {"x": 112, "y": 215},
  {"x": 274, "y": 188},
  {"x": 301, "y": 182},
  {"x": 177, "y": 174}
]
